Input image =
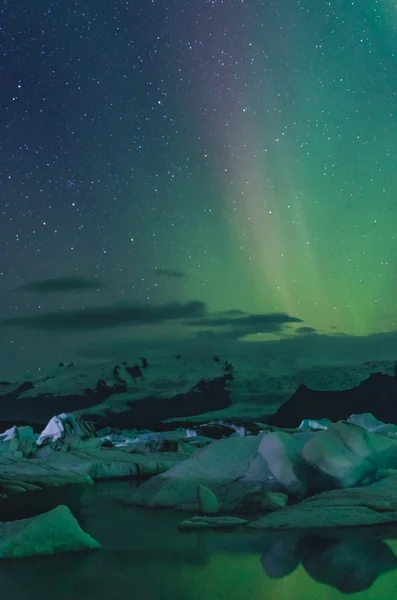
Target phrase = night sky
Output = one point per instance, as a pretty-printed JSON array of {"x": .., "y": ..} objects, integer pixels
[{"x": 224, "y": 170}]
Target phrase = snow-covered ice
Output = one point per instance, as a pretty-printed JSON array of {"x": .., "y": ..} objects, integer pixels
[
  {"x": 259, "y": 385},
  {"x": 63, "y": 425}
]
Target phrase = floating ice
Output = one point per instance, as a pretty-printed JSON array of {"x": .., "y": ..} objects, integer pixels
[{"x": 50, "y": 533}]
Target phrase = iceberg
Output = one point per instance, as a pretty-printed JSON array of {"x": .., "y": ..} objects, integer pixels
[
  {"x": 350, "y": 454},
  {"x": 212, "y": 523},
  {"x": 19, "y": 442},
  {"x": 252, "y": 473},
  {"x": 216, "y": 466},
  {"x": 240, "y": 470},
  {"x": 374, "y": 504},
  {"x": 66, "y": 431},
  {"x": 50, "y": 533}
]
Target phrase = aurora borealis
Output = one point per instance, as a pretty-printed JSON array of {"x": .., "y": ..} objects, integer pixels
[{"x": 241, "y": 154}]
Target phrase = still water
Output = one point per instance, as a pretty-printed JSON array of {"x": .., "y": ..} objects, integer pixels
[{"x": 145, "y": 557}]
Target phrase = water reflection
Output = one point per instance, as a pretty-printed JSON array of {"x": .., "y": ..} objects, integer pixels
[
  {"x": 347, "y": 564},
  {"x": 144, "y": 555},
  {"x": 42, "y": 577}
]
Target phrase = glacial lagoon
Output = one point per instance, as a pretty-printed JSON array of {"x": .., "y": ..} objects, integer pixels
[{"x": 144, "y": 556}]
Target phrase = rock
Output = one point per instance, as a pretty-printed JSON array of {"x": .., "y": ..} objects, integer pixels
[
  {"x": 207, "y": 500},
  {"x": 50, "y": 533},
  {"x": 212, "y": 523},
  {"x": 376, "y": 395},
  {"x": 149, "y": 412},
  {"x": 109, "y": 393}
]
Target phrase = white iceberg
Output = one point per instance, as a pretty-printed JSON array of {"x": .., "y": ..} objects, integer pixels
[
  {"x": 315, "y": 424},
  {"x": 66, "y": 431}
]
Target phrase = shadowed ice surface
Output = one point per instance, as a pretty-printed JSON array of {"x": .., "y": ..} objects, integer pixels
[{"x": 144, "y": 556}]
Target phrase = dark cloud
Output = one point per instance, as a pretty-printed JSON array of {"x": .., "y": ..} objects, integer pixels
[
  {"x": 336, "y": 348},
  {"x": 240, "y": 326},
  {"x": 107, "y": 316},
  {"x": 305, "y": 330},
  {"x": 61, "y": 284},
  {"x": 260, "y": 321},
  {"x": 169, "y": 273},
  {"x": 312, "y": 349},
  {"x": 231, "y": 313}
]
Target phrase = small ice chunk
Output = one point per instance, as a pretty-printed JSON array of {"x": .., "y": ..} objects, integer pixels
[
  {"x": 208, "y": 502},
  {"x": 315, "y": 424},
  {"x": 212, "y": 523}
]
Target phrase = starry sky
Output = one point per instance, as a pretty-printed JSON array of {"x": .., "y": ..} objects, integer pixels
[{"x": 206, "y": 169}]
